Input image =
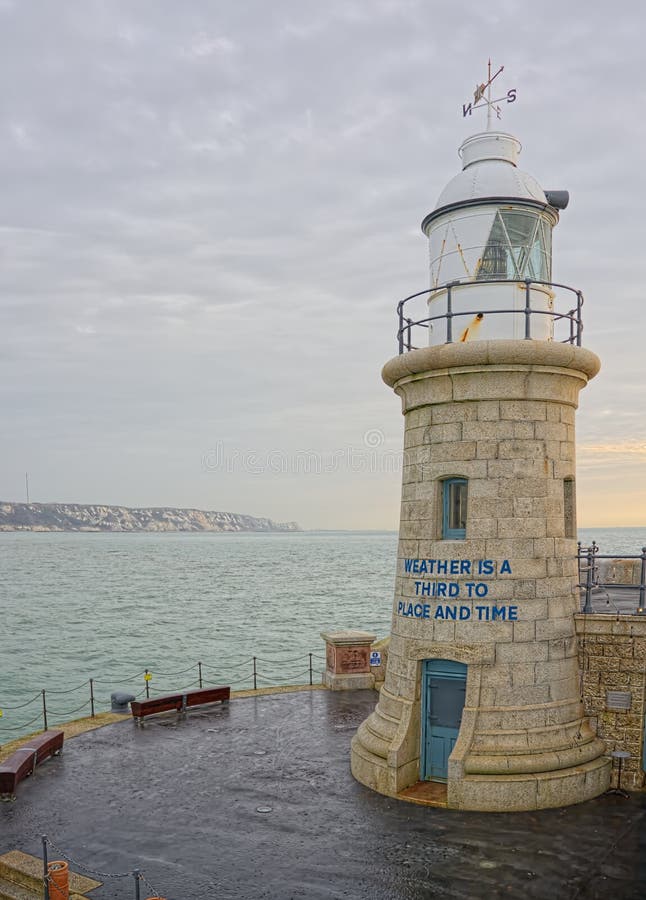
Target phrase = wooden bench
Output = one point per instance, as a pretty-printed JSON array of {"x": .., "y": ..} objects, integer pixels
[
  {"x": 23, "y": 761},
  {"x": 179, "y": 702}
]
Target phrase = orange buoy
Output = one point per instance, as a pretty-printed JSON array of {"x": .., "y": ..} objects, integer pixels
[
  {"x": 155, "y": 898},
  {"x": 59, "y": 880}
]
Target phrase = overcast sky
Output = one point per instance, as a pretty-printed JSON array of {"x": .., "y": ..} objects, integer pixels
[{"x": 210, "y": 209}]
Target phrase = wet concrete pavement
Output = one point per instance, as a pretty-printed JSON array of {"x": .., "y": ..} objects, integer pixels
[{"x": 182, "y": 802}]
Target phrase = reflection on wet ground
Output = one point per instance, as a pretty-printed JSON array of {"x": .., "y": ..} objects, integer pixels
[{"x": 256, "y": 800}]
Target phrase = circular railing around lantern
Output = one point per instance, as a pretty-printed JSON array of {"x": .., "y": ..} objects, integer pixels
[{"x": 410, "y": 327}]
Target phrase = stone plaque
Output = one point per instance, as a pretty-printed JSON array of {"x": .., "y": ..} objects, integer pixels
[
  {"x": 352, "y": 660},
  {"x": 619, "y": 700}
]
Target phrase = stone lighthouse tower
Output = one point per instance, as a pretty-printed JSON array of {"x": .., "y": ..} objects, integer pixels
[{"x": 482, "y": 689}]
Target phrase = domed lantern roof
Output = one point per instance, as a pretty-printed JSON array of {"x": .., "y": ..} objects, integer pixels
[{"x": 490, "y": 169}]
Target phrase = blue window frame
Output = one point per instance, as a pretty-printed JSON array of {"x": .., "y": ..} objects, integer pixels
[{"x": 454, "y": 509}]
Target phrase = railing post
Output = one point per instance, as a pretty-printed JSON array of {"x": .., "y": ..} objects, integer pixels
[
  {"x": 409, "y": 342},
  {"x": 595, "y": 550},
  {"x": 255, "y": 674},
  {"x": 449, "y": 315},
  {"x": 43, "y": 838},
  {"x": 642, "y": 580},
  {"x": 400, "y": 333},
  {"x": 311, "y": 678},
  {"x": 199, "y": 670},
  {"x": 587, "y": 606},
  {"x": 44, "y": 711},
  {"x": 528, "y": 311},
  {"x": 579, "y": 323},
  {"x": 137, "y": 875},
  {"x": 92, "y": 697}
]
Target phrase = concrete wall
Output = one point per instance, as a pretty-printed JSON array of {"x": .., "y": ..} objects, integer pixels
[{"x": 612, "y": 657}]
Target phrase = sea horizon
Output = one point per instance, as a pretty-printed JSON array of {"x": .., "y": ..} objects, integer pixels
[{"x": 108, "y": 605}]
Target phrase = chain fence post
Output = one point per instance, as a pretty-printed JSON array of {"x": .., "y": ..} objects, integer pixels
[
  {"x": 43, "y": 838},
  {"x": 147, "y": 680},
  {"x": 44, "y": 711},
  {"x": 311, "y": 680},
  {"x": 137, "y": 875},
  {"x": 92, "y": 697},
  {"x": 255, "y": 675},
  {"x": 199, "y": 669}
]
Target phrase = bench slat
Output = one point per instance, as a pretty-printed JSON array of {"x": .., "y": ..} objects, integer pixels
[
  {"x": 141, "y": 708},
  {"x": 22, "y": 761}
]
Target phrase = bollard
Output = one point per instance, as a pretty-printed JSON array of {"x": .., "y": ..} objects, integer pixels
[{"x": 58, "y": 877}]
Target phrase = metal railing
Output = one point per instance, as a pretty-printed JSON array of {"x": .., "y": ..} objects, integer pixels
[
  {"x": 589, "y": 581},
  {"x": 246, "y": 675},
  {"x": 572, "y": 318}
]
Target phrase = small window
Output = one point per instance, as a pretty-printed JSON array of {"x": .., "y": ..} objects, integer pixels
[{"x": 454, "y": 505}]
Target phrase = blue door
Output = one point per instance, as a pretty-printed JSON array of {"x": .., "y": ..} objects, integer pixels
[{"x": 443, "y": 689}]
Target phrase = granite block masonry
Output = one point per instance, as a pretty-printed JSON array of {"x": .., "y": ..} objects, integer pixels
[
  {"x": 612, "y": 660},
  {"x": 503, "y": 599},
  {"x": 347, "y": 660}
]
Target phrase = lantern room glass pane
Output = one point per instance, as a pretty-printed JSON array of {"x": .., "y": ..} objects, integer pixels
[
  {"x": 496, "y": 261},
  {"x": 518, "y": 246}
]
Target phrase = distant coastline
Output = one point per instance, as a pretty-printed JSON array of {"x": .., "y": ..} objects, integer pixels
[{"x": 97, "y": 517}]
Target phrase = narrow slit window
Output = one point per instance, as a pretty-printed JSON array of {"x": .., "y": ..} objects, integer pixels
[
  {"x": 569, "y": 507},
  {"x": 454, "y": 505}
]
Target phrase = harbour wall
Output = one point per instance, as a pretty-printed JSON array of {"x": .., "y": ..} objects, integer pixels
[{"x": 612, "y": 660}]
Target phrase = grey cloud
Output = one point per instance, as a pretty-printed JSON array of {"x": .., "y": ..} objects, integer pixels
[{"x": 210, "y": 210}]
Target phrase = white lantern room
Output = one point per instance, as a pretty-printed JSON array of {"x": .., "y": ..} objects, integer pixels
[{"x": 490, "y": 244}]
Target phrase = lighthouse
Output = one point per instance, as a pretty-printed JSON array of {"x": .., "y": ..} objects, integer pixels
[{"x": 482, "y": 694}]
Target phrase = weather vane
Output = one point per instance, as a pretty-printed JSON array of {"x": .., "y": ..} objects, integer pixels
[{"x": 482, "y": 97}]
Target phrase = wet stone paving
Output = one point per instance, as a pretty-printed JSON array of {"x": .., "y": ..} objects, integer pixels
[{"x": 256, "y": 800}]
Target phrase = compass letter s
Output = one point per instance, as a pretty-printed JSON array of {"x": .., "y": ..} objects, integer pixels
[{"x": 511, "y": 95}]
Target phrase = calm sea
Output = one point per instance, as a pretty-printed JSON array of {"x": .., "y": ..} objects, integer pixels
[{"x": 108, "y": 606}]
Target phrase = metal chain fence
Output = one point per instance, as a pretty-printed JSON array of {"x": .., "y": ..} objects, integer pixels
[
  {"x": 51, "y": 890},
  {"x": 247, "y": 675}
]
